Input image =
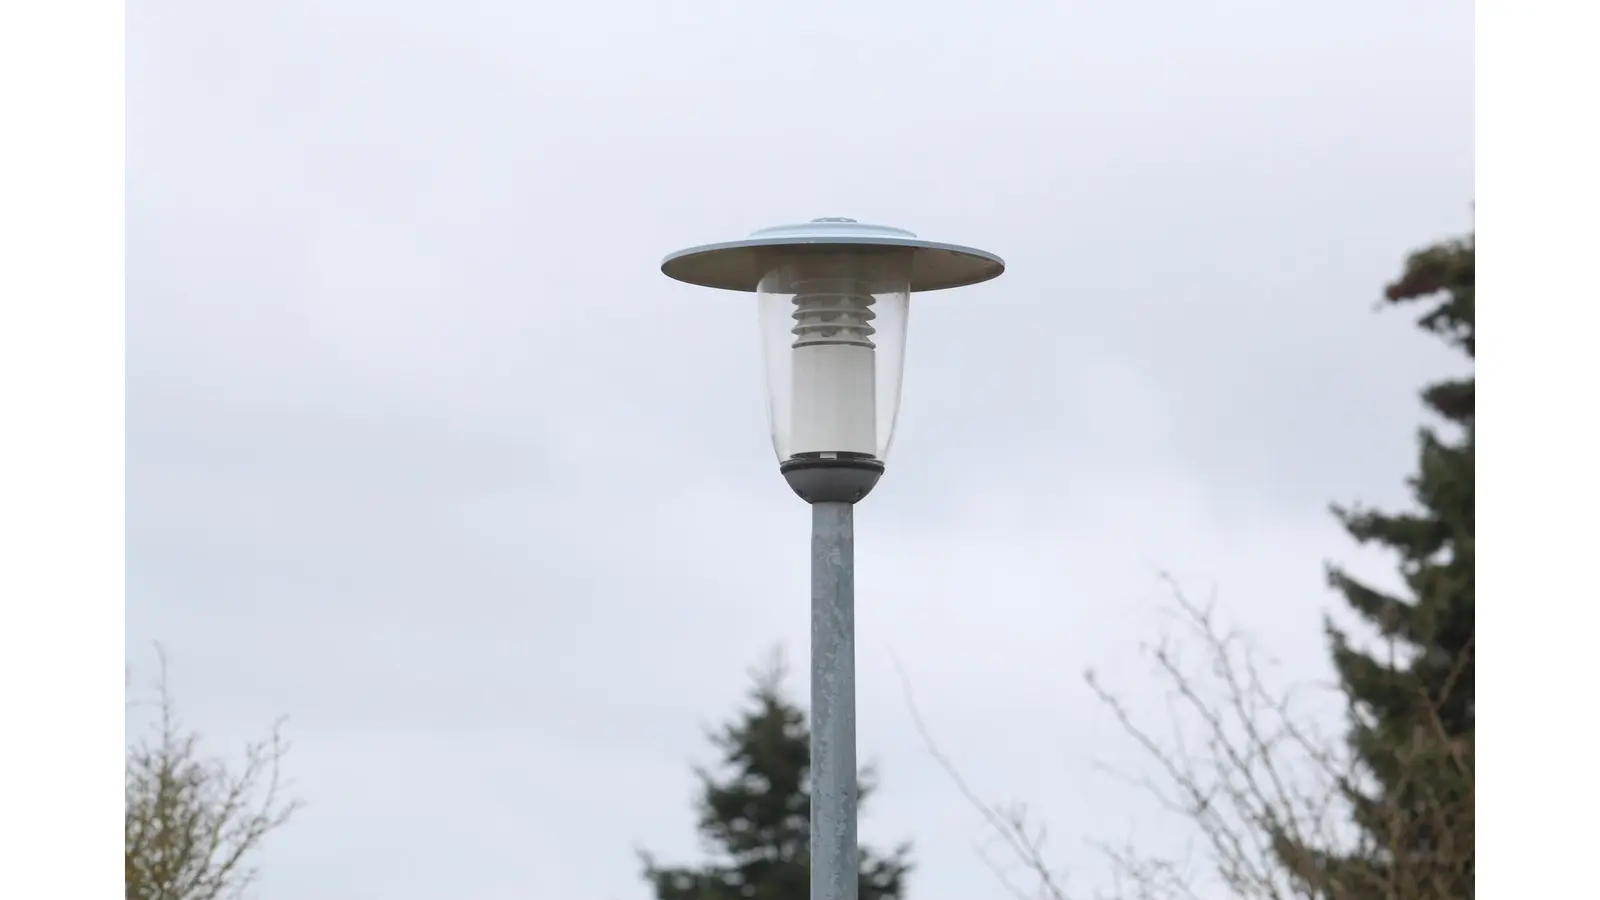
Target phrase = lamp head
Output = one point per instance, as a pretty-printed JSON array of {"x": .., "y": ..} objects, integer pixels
[{"x": 833, "y": 296}]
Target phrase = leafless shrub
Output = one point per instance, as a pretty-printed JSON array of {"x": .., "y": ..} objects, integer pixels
[
  {"x": 193, "y": 823},
  {"x": 1267, "y": 794}
]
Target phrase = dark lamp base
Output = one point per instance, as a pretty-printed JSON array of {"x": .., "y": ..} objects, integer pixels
[{"x": 828, "y": 480}]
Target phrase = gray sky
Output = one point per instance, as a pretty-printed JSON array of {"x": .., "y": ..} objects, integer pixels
[{"x": 425, "y": 453}]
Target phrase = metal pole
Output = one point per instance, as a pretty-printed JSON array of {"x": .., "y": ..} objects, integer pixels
[{"x": 834, "y": 864}]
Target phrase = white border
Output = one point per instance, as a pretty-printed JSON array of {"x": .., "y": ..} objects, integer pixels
[
  {"x": 61, "y": 454},
  {"x": 1537, "y": 203}
]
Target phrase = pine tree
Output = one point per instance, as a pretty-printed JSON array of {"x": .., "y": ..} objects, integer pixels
[
  {"x": 755, "y": 815},
  {"x": 1412, "y": 712}
]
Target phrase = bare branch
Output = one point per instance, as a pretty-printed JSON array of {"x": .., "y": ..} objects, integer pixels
[
  {"x": 1268, "y": 795},
  {"x": 191, "y": 823},
  {"x": 1025, "y": 843}
]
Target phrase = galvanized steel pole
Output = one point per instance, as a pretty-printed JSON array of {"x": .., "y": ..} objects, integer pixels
[{"x": 834, "y": 863}]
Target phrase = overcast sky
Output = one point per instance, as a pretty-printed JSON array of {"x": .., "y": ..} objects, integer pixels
[{"x": 425, "y": 453}]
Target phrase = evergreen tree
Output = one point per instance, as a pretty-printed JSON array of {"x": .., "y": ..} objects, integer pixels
[
  {"x": 1411, "y": 725},
  {"x": 755, "y": 816}
]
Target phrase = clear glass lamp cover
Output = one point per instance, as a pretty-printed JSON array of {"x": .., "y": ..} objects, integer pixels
[{"x": 833, "y": 327}]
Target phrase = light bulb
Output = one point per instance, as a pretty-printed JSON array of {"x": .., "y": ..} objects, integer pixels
[{"x": 835, "y": 392}]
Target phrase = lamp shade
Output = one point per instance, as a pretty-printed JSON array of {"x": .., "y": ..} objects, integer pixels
[{"x": 833, "y": 299}]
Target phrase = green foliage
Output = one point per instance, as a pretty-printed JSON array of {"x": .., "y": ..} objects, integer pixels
[
  {"x": 1412, "y": 710},
  {"x": 755, "y": 814}
]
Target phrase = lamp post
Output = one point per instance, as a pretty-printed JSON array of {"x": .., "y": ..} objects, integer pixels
[{"x": 833, "y": 297}]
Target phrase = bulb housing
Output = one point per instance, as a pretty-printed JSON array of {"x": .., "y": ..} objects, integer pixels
[{"x": 833, "y": 327}]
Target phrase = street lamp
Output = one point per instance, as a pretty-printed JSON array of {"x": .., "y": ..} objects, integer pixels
[{"x": 833, "y": 296}]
